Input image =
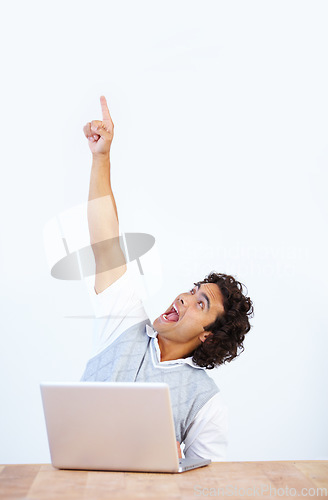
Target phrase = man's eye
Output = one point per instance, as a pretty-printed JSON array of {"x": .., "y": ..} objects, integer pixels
[
  {"x": 192, "y": 291},
  {"x": 201, "y": 304}
]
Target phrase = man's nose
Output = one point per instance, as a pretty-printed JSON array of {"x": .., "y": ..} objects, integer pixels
[{"x": 182, "y": 300}]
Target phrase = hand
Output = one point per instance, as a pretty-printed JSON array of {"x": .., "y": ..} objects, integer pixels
[
  {"x": 100, "y": 133},
  {"x": 179, "y": 450}
]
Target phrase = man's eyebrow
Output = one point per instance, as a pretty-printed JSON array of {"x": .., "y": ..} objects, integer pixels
[{"x": 208, "y": 303}]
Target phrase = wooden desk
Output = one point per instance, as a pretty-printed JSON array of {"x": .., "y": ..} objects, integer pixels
[{"x": 240, "y": 480}]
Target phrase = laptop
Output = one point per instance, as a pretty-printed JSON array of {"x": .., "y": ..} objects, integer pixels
[{"x": 113, "y": 426}]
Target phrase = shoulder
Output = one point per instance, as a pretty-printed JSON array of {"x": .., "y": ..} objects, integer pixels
[
  {"x": 203, "y": 376},
  {"x": 215, "y": 410}
]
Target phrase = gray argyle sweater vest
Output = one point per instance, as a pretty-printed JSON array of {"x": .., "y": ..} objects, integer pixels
[{"x": 132, "y": 358}]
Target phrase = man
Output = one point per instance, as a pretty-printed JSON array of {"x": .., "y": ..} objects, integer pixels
[{"x": 202, "y": 328}]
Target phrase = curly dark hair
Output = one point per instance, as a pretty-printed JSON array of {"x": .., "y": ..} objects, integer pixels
[{"x": 229, "y": 329}]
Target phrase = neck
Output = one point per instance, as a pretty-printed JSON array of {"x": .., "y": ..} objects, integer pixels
[{"x": 171, "y": 350}]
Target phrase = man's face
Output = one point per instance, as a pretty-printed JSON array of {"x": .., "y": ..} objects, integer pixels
[{"x": 184, "y": 321}]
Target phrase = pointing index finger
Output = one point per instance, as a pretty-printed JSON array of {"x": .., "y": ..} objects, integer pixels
[{"x": 104, "y": 109}]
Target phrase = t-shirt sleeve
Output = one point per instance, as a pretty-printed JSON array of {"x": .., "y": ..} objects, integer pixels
[
  {"x": 116, "y": 309},
  {"x": 208, "y": 435}
]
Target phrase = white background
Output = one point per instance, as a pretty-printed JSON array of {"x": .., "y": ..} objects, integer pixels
[{"x": 220, "y": 151}]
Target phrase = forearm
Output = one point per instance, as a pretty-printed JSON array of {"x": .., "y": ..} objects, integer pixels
[{"x": 102, "y": 211}]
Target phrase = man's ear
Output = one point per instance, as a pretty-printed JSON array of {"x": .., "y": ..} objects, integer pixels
[{"x": 203, "y": 336}]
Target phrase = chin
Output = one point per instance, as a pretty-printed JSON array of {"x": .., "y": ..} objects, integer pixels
[
  {"x": 159, "y": 325},
  {"x": 156, "y": 322}
]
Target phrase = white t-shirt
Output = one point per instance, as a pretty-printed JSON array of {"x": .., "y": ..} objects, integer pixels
[{"x": 119, "y": 307}]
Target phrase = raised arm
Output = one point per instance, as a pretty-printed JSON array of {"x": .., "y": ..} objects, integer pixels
[{"x": 102, "y": 212}]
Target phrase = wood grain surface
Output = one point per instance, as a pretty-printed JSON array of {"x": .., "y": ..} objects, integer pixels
[{"x": 219, "y": 479}]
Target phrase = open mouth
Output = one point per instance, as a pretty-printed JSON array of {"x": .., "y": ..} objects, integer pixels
[{"x": 172, "y": 315}]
